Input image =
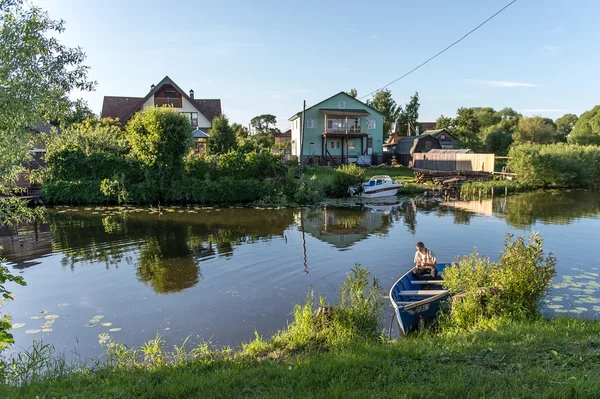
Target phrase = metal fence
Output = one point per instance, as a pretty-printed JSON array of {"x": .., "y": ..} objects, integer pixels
[{"x": 462, "y": 162}]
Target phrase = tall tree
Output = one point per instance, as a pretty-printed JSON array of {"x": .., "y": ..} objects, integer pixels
[
  {"x": 240, "y": 131},
  {"x": 467, "y": 128},
  {"x": 36, "y": 75},
  {"x": 444, "y": 122},
  {"x": 353, "y": 93},
  {"x": 384, "y": 103},
  {"x": 407, "y": 119},
  {"x": 486, "y": 116},
  {"x": 160, "y": 137},
  {"x": 78, "y": 112},
  {"x": 263, "y": 124},
  {"x": 564, "y": 126},
  {"x": 535, "y": 130},
  {"x": 587, "y": 129},
  {"x": 222, "y": 137}
]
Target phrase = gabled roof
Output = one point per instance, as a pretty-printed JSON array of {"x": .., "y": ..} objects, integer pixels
[
  {"x": 287, "y": 133},
  {"x": 354, "y": 100},
  {"x": 209, "y": 108},
  {"x": 437, "y": 132},
  {"x": 118, "y": 107},
  {"x": 124, "y": 107},
  {"x": 200, "y": 134}
]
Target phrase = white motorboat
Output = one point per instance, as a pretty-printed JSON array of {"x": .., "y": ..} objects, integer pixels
[{"x": 378, "y": 186}]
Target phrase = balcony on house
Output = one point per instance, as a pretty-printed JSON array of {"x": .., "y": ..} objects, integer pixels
[
  {"x": 345, "y": 121},
  {"x": 167, "y": 95}
]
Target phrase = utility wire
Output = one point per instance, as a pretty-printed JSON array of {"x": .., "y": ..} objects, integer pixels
[{"x": 441, "y": 52}]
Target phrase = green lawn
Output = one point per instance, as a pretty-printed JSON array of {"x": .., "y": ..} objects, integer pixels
[{"x": 557, "y": 358}]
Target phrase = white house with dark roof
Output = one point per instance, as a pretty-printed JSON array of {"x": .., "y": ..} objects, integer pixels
[{"x": 201, "y": 112}]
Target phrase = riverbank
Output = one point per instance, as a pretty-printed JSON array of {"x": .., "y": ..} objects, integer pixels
[{"x": 553, "y": 358}]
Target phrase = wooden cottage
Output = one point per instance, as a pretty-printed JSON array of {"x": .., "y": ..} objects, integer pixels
[{"x": 407, "y": 146}]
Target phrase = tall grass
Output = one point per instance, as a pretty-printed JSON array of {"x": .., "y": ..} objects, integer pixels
[{"x": 512, "y": 288}]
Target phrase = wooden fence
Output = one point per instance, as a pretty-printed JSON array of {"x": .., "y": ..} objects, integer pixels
[{"x": 462, "y": 162}]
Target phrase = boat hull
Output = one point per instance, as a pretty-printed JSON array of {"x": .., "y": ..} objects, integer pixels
[
  {"x": 382, "y": 192},
  {"x": 413, "y": 311}
]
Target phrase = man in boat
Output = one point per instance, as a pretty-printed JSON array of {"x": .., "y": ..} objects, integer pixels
[{"x": 425, "y": 262}]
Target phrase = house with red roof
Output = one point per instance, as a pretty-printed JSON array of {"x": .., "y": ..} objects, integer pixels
[{"x": 200, "y": 112}]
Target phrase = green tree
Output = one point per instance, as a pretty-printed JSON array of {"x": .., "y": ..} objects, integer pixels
[
  {"x": 497, "y": 140},
  {"x": 353, "y": 93},
  {"x": 36, "y": 75},
  {"x": 240, "y": 131},
  {"x": 467, "y": 128},
  {"x": 587, "y": 129},
  {"x": 78, "y": 113},
  {"x": 263, "y": 124},
  {"x": 535, "y": 130},
  {"x": 444, "y": 122},
  {"x": 408, "y": 116},
  {"x": 384, "y": 103},
  {"x": 160, "y": 137},
  {"x": 564, "y": 127},
  {"x": 486, "y": 116},
  {"x": 222, "y": 137}
]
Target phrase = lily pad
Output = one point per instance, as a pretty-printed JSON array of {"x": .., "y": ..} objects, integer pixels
[
  {"x": 63, "y": 305},
  {"x": 574, "y": 268},
  {"x": 596, "y": 308},
  {"x": 582, "y": 309},
  {"x": 557, "y": 299},
  {"x": 106, "y": 324},
  {"x": 47, "y": 324},
  {"x": 554, "y": 306},
  {"x": 592, "y": 274},
  {"x": 104, "y": 337},
  {"x": 34, "y": 331},
  {"x": 44, "y": 311},
  {"x": 47, "y": 330},
  {"x": 115, "y": 329},
  {"x": 90, "y": 325},
  {"x": 96, "y": 319},
  {"x": 35, "y": 317},
  {"x": 17, "y": 325},
  {"x": 167, "y": 329},
  {"x": 560, "y": 310},
  {"x": 51, "y": 317}
]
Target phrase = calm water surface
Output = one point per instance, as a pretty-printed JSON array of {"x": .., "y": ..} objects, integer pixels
[{"x": 220, "y": 274}]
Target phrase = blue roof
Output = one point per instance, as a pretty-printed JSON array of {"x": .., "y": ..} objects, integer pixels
[{"x": 199, "y": 134}]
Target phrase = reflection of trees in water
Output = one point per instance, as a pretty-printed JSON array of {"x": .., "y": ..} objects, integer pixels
[
  {"x": 165, "y": 268},
  {"x": 170, "y": 246},
  {"x": 552, "y": 207}
]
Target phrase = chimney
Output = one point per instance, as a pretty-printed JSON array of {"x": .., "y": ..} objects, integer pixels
[
  {"x": 152, "y": 87},
  {"x": 192, "y": 94}
]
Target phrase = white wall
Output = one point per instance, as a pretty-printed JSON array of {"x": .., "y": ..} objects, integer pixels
[{"x": 296, "y": 136}]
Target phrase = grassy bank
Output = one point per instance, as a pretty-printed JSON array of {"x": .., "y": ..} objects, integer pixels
[{"x": 548, "y": 358}]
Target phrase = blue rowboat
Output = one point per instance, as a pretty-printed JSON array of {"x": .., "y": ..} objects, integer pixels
[{"x": 417, "y": 301}]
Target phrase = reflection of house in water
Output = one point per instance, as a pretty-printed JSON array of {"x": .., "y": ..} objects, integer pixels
[
  {"x": 482, "y": 207},
  {"x": 343, "y": 227},
  {"x": 24, "y": 245}
]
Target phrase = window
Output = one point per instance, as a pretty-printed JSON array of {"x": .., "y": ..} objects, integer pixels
[
  {"x": 427, "y": 145},
  {"x": 352, "y": 144},
  {"x": 193, "y": 117},
  {"x": 311, "y": 123},
  {"x": 333, "y": 144},
  {"x": 371, "y": 123},
  {"x": 354, "y": 125},
  {"x": 336, "y": 125},
  {"x": 342, "y": 104}
]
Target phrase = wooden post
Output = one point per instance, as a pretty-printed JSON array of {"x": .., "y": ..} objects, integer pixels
[{"x": 302, "y": 135}]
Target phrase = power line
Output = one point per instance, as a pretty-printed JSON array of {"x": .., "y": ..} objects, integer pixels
[{"x": 443, "y": 51}]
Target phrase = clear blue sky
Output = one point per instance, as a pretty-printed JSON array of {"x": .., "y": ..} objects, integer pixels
[{"x": 539, "y": 57}]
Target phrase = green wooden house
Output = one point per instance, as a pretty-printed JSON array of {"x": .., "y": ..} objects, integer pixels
[{"x": 339, "y": 130}]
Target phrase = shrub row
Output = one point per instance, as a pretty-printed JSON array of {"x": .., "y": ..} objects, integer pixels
[{"x": 556, "y": 165}]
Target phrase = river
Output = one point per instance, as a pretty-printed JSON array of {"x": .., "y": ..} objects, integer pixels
[{"x": 222, "y": 274}]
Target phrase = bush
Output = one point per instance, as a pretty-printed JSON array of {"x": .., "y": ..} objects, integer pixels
[
  {"x": 513, "y": 287},
  {"x": 225, "y": 190},
  {"x": 307, "y": 191},
  {"x": 74, "y": 165},
  {"x": 75, "y": 192},
  {"x": 344, "y": 177},
  {"x": 556, "y": 166}
]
